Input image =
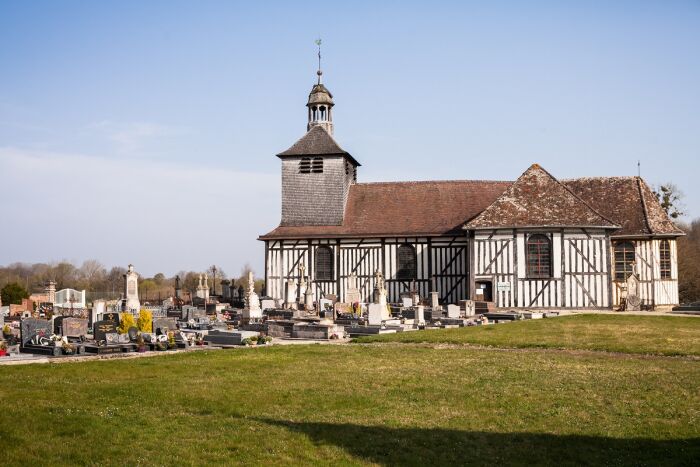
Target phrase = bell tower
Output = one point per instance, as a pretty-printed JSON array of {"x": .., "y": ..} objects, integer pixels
[{"x": 320, "y": 102}]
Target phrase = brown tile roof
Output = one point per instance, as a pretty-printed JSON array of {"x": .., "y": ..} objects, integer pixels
[
  {"x": 404, "y": 209},
  {"x": 316, "y": 142},
  {"x": 537, "y": 199},
  {"x": 628, "y": 201}
]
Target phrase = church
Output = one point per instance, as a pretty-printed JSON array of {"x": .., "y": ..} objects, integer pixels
[{"x": 534, "y": 243}]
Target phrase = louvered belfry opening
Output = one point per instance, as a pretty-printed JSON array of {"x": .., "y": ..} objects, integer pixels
[
  {"x": 305, "y": 165},
  {"x": 317, "y": 165}
]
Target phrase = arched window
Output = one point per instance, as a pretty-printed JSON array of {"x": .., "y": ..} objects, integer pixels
[
  {"x": 665, "y": 259},
  {"x": 624, "y": 260},
  {"x": 305, "y": 165},
  {"x": 408, "y": 269},
  {"x": 539, "y": 256},
  {"x": 324, "y": 264}
]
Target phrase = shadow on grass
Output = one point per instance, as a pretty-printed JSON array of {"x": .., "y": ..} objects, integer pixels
[{"x": 436, "y": 446}]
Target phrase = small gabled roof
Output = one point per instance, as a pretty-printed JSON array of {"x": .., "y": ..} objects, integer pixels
[
  {"x": 316, "y": 142},
  {"x": 628, "y": 201},
  {"x": 537, "y": 199}
]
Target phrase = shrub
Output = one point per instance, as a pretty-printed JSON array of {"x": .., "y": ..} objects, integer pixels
[
  {"x": 127, "y": 321},
  {"x": 145, "y": 321}
]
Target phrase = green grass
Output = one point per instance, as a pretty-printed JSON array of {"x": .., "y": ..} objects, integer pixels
[
  {"x": 658, "y": 335},
  {"x": 410, "y": 404}
]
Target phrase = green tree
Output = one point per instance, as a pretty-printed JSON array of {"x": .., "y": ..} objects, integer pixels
[
  {"x": 13, "y": 293},
  {"x": 670, "y": 198}
]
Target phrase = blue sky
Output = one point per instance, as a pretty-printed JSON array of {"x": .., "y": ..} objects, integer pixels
[{"x": 145, "y": 132}]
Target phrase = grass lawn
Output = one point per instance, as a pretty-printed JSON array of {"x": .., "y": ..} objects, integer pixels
[
  {"x": 410, "y": 404},
  {"x": 658, "y": 335}
]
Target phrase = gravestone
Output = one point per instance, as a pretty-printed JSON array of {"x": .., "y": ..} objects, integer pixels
[
  {"x": 112, "y": 338},
  {"x": 434, "y": 300},
  {"x": 379, "y": 294},
  {"x": 58, "y": 324},
  {"x": 375, "y": 314},
  {"x": 111, "y": 316},
  {"x": 101, "y": 328},
  {"x": 345, "y": 308},
  {"x": 133, "y": 333},
  {"x": 633, "y": 301},
  {"x": 407, "y": 302},
  {"x": 290, "y": 291},
  {"x": 75, "y": 327},
  {"x": 419, "y": 316},
  {"x": 161, "y": 324},
  {"x": 352, "y": 292},
  {"x": 453, "y": 311},
  {"x": 468, "y": 307},
  {"x": 309, "y": 299},
  {"x": 31, "y": 327},
  {"x": 252, "y": 302},
  {"x": 267, "y": 304},
  {"x": 131, "y": 282}
]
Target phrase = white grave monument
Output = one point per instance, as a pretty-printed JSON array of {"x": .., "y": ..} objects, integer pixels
[
  {"x": 252, "y": 308},
  {"x": 453, "y": 311},
  {"x": 434, "y": 301},
  {"x": 290, "y": 294},
  {"x": 352, "y": 292},
  {"x": 131, "y": 292},
  {"x": 379, "y": 290},
  {"x": 419, "y": 319}
]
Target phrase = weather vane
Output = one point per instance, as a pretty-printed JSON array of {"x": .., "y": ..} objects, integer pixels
[{"x": 319, "y": 72}]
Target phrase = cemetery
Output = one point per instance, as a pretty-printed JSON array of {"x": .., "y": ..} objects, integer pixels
[{"x": 131, "y": 328}]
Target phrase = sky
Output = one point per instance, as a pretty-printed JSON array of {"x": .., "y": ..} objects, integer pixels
[{"x": 146, "y": 132}]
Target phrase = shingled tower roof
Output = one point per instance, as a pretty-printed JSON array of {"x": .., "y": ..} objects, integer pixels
[
  {"x": 316, "y": 142},
  {"x": 537, "y": 199}
]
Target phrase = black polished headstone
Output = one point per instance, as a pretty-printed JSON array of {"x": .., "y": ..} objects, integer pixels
[
  {"x": 101, "y": 328},
  {"x": 111, "y": 316},
  {"x": 58, "y": 324},
  {"x": 133, "y": 333},
  {"x": 30, "y": 327}
]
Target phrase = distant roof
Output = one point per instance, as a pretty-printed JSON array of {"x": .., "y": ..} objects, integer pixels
[
  {"x": 537, "y": 199},
  {"x": 404, "y": 209},
  {"x": 316, "y": 142},
  {"x": 628, "y": 201}
]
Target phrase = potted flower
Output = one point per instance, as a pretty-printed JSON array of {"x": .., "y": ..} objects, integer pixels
[
  {"x": 57, "y": 340},
  {"x": 171, "y": 340},
  {"x": 140, "y": 344},
  {"x": 6, "y": 331},
  {"x": 3, "y": 349}
]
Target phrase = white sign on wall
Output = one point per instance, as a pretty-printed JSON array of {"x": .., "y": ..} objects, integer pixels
[{"x": 503, "y": 286}]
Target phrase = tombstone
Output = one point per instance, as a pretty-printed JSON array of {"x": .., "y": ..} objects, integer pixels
[
  {"x": 98, "y": 308},
  {"x": 434, "y": 300},
  {"x": 31, "y": 327},
  {"x": 468, "y": 307},
  {"x": 325, "y": 304},
  {"x": 453, "y": 311},
  {"x": 133, "y": 333},
  {"x": 407, "y": 302},
  {"x": 267, "y": 304},
  {"x": 131, "y": 292},
  {"x": 309, "y": 299},
  {"x": 111, "y": 338},
  {"x": 375, "y": 314},
  {"x": 252, "y": 303},
  {"x": 161, "y": 324},
  {"x": 111, "y": 316},
  {"x": 290, "y": 291},
  {"x": 75, "y": 327},
  {"x": 352, "y": 292},
  {"x": 58, "y": 325},
  {"x": 101, "y": 328},
  {"x": 633, "y": 302},
  {"x": 419, "y": 318},
  {"x": 379, "y": 294}
]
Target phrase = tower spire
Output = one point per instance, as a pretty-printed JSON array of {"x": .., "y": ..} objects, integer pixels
[{"x": 319, "y": 72}]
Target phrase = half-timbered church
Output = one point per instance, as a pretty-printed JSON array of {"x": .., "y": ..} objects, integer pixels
[{"x": 536, "y": 242}]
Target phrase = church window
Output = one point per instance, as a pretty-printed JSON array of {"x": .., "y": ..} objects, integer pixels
[
  {"x": 407, "y": 263},
  {"x": 624, "y": 260},
  {"x": 665, "y": 259},
  {"x": 305, "y": 165},
  {"x": 539, "y": 256},
  {"x": 317, "y": 165},
  {"x": 324, "y": 264}
]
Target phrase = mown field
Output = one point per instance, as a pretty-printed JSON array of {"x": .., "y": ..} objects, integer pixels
[
  {"x": 656, "y": 335},
  {"x": 381, "y": 404}
]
